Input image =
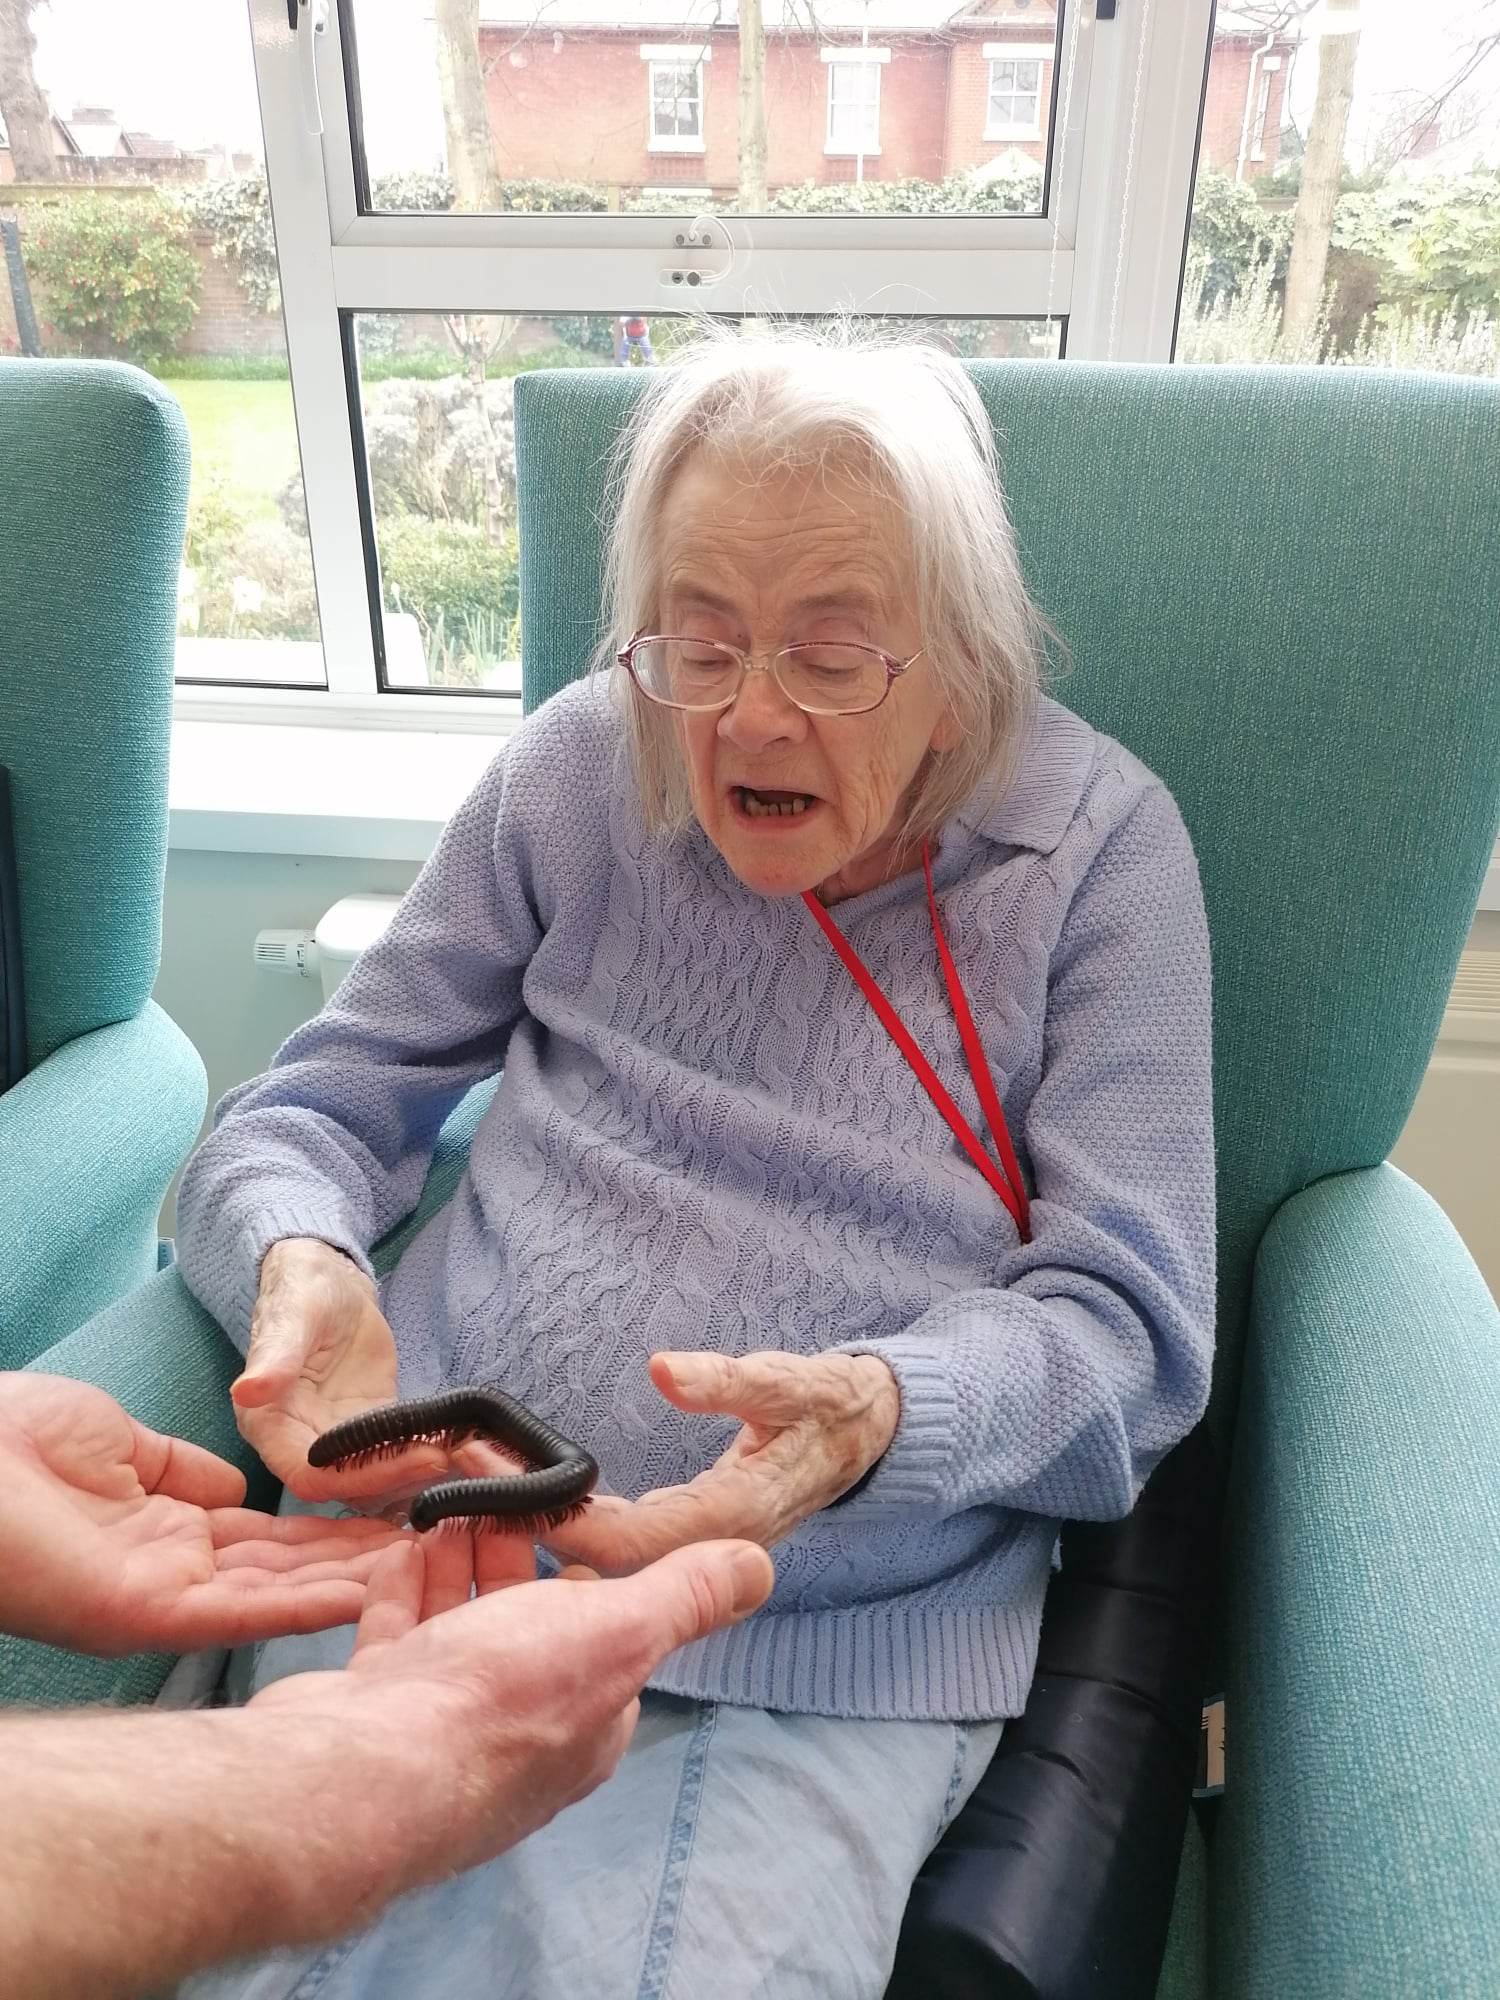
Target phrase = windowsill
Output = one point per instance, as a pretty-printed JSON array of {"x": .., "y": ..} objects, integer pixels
[
  {"x": 831, "y": 152},
  {"x": 675, "y": 146},
  {"x": 1009, "y": 135},
  {"x": 242, "y": 787}
]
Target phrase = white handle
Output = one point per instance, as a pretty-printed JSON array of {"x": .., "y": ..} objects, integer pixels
[{"x": 312, "y": 22}]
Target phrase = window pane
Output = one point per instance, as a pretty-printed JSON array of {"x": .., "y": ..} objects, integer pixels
[
  {"x": 436, "y": 391},
  {"x": 1347, "y": 209},
  {"x": 138, "y": 188},
  {"x": 571, "y": 104}
]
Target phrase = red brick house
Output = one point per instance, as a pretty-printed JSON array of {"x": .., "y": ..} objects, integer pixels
[{"x": 644, "y": 94}]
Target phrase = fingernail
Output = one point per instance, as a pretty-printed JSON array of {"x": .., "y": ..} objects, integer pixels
[{"x": 750, "y": 1579}]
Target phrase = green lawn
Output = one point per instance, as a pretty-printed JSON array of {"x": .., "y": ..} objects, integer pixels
[{"x": 246, "y": 430}]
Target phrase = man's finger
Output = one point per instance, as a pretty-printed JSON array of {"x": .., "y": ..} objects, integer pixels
[
  {"x": 393, "y": 1597},
  {"x": 449, "y": 1560},
  {"x": 217, "y": 1614},
  {"x": 237, "y": 1569},
  {"x": 502, "y": 1560},
  {"x": 630, "y": 1626},
  {"x": 184, "y": 1471},
  {"x": 343, "y": 1535},
  {"x": 244, "y": 1560}
]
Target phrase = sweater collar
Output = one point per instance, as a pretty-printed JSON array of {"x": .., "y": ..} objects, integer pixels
[{"x": 1040, "y": 803}]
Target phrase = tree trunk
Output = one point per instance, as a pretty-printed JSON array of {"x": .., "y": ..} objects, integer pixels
[
  {"x": 753, "y": 191},
  {"x": 1322, "y": 166},
  {"x": 22, "y": 105},
  {"x": 466, "y": 116}
]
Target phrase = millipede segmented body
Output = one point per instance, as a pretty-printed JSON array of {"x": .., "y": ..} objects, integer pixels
[{"x": 559, "y": 1478}]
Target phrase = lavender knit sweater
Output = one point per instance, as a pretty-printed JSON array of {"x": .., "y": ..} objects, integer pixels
[{"x": 702, "y": 1138}]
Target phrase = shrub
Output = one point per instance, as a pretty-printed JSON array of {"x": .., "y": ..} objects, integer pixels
[
  {"x": 1007, "y": 190},
  {"x": 119, "y": 274},
  {"x": 463, "y": 590},
  {"x": 236, "y": 216},
  {"x": 586, "y": 333},
  {"x": 1437, "y": 240},
  {"x": 431, "y": 193},
  {"x": 1233, "y": 235},
  {"x": 245, "y": 578},
  {"x": 426, "y": 445},
  {"x": 1243, "y": 324},
  {"x": 1437, "y": 342}
]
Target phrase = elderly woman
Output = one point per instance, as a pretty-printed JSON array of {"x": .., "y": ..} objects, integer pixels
[{"x": 763, "y": 931}]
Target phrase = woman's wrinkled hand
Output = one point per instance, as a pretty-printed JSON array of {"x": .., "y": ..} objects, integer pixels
[
  {"x": 320, "y": 1352},
  {"x": 813, "y": 1427}
]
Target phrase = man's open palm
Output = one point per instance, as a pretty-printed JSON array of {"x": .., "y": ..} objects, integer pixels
[{"x": 118, "y": 1538}]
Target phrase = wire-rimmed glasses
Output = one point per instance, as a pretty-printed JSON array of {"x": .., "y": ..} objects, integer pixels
[{"x": 821, "y": 677}]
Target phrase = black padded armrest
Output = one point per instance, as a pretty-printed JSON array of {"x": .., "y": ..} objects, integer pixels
[{"x": 1056, "y": 1880}]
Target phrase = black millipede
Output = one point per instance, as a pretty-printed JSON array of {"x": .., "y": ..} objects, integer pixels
[{"x": 560, "y": 1475}]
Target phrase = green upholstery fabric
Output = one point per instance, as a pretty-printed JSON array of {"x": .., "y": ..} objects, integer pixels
[
  {"x": 90, "y": 1138},
  {"x": 95, "y": 471},
  {"x": 95, "y": 459},
  {"x": 1277, "y": 592},
  {"x": 1364, "y": 1559},
  {"x": 1184, "y": 1972}
]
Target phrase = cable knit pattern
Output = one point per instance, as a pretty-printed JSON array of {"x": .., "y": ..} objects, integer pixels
[{"x": 702, "y": 1138}]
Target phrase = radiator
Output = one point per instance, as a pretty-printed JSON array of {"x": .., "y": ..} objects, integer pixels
[{"x": 1452, "y": 1139}]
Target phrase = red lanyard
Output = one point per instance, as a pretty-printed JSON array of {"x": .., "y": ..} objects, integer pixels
[{"x": 1007, "y": 1183}]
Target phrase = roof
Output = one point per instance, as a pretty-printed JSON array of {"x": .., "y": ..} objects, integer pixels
[{"x": 146, "y": 148}]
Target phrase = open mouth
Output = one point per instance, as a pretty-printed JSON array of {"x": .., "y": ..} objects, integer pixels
[{"x": 770, "y": 805}]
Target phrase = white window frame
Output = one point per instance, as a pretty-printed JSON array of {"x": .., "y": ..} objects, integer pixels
[
  {"x": 842, "y": 61},
  {"x": 1040, "y": 53},
  {"x": 1103, "y": 261},
  {"x": 660, "y": 56},
  {"x": 1268, "y": 67}
]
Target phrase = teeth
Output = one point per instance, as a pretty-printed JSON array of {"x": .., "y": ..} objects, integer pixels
[{"x": 764, "y": 808}]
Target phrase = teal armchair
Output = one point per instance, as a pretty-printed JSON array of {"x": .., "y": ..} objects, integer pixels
[
  {"x": 94, "y": 468},
  {"x": 1276, "y": 588}
]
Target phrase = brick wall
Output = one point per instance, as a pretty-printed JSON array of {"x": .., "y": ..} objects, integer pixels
[
  {"x": 575, "y": 106},
  {"x": 968, "y": 110},
  {"x": 1224, "y": 104}
]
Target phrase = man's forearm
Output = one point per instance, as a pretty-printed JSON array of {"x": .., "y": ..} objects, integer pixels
[{"x": 144, "y": 1847}]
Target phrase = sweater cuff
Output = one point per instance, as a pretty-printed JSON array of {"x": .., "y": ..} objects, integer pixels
[
  {"x": 916, "y": 1471},
  {"x": 226, "y": 1275}
]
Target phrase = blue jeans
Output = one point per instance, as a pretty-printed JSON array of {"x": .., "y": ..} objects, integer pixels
[{"x": 735, "y": 1853}]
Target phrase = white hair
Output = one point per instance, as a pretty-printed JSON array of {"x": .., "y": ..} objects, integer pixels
[{"x": 906, "y": 419}]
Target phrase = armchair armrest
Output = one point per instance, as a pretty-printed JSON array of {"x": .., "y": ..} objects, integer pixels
[
  {"x": 90, "y": 1139},
  {"x": 1360, "y": 1841}
]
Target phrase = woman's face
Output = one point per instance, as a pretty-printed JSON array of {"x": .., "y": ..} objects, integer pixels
[{"x": 770, "y": 562}]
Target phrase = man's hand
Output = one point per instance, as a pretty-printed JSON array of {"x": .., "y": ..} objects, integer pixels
[
  {"x": 117, "y": 1538},
  {"x": 813, "y": 1426},
  {"x": 507, "y": 1708},
  {"x": 321, "y": 1351}
]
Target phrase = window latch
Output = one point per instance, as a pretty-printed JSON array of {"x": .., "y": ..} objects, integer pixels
[{"x": 315, "y": 13}]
